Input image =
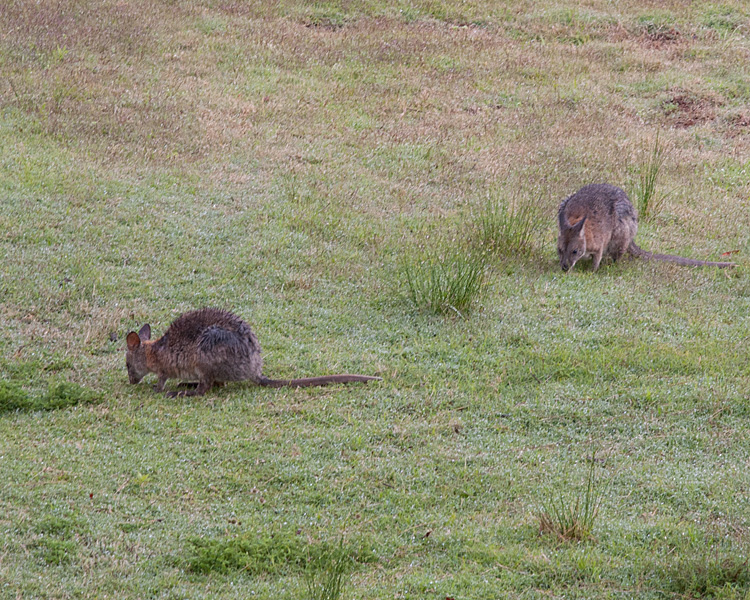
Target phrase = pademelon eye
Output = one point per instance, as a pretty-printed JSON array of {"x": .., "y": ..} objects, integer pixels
[{"x": 575, "y": 251}]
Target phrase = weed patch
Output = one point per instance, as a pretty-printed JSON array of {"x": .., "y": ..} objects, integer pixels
[
  {"x": 57, "y": 396},
  {"x": 55, "y": 551},
  {"x": 13, "y": 397},
  {"x": 56, "y": 526},
  {"x": 279, "y": 553},
  {"x": 63, "y": 395}
]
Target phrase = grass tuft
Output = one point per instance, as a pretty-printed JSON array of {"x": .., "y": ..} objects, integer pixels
[
  {"x": 509, "y": 227},
  {"x": 445, "y": 283},
  {"x": 649, "y": 202},
  {"x": 326, "y": 577},
  {"x": 573, "y": 520}
]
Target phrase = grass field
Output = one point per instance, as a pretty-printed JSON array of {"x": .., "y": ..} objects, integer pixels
[{"x": 351, "y": 177}]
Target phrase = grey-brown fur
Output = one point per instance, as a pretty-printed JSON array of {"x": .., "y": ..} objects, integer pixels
[
  {"x": 211, "y": 346},
  {"x": 599, "y": 220}
]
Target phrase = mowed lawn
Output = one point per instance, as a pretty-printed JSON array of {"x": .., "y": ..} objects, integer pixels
[{"x": 306, "y": 165}]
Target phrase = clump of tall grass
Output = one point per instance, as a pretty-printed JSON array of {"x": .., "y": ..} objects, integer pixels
[
  {"x": 573, "y": 519},
  {"x": 649, "y": 201},
  {"x": 445, "y": 282},
  {"x": 509, "y": 226},
  {"x": 326, "y": 576}
]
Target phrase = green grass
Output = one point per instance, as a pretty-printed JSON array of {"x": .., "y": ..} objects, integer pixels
[{"x": 296, "y": 163}]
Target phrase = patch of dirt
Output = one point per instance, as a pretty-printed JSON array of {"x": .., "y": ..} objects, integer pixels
[
  {"x": 659, "y": 37},
  {"x": 686, "y": 109},
  {"x": 649, "y": 36},
  {"x": 741, "y": 120},
  {"x": 737, "y": 124}
]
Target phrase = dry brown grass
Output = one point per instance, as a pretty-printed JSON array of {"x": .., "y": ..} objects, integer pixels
[{"x": 202, "y": 82}]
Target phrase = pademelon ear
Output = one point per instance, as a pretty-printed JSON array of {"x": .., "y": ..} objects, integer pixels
[
  {"x": 578, "y": 227},
  {"x": 133, "y": 340},
  {"x": 145, "y": 332}
]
